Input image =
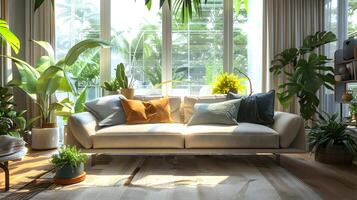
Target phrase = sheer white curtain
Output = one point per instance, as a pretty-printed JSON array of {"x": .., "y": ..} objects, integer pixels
[
  {"x": 286, "y": 23},
  {"x": 255, "y": 40},
  {"x": 40, "y": 25}
]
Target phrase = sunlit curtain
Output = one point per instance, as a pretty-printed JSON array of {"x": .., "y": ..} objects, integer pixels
[
  {"x": 286, "y": 23},
  {"x": 40, "y": 25}
]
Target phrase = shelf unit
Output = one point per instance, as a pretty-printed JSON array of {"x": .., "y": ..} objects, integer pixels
[{"x": 341, "y": 86}]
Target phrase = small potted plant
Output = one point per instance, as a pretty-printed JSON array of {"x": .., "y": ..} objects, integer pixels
[
  {"x": 353, "y": 109},
  {"x": 69, "y": 165},
  {"x": 121, "y": 83},
  {"x": 332, "y": 141}
]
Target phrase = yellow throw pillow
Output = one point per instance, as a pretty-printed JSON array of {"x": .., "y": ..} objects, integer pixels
[{"x": 141, "y": 112}]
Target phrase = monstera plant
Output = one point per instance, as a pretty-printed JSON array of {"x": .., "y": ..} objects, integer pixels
[
  {"x": 306, "y": 71},
  {"x": 42, "y": 81}
]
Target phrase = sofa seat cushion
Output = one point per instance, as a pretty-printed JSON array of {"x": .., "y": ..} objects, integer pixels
[
  {"x": 245, "y": 135},
  {"x": 161, "y": 135}
]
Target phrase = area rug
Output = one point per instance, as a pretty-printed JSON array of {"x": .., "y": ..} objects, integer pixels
[{"x": 176, "y": 177}]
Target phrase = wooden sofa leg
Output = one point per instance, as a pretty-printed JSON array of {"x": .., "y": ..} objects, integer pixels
[
  {"x": 92, "y": 159},
  {"x": 277, "y": 158}
]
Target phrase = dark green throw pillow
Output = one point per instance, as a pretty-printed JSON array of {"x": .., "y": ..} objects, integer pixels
[{"x": 258, "y": 108}]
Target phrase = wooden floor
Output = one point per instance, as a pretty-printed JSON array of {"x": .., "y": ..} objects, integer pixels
[{"x": 330, "y": 182}]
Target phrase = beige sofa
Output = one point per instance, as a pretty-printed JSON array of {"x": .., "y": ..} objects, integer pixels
[{"x": 286, "y": 135}]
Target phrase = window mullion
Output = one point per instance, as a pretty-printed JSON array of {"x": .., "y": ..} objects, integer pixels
[
  {"x": 166, "y": 50},
  {"x": 105, "y": 53},
  {"x": 228, "y": 34}
]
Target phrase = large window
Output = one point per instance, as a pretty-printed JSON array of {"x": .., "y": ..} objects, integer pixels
[
  {"x": 162, "y": 54},
  {"x": 137, "y": 42},
  {"x": 197, "y": 50},
  {"x": 352, "y": 17},
  {"x": 77, "y": 20}
]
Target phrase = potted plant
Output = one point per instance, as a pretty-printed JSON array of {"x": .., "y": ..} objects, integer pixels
[
  {"x": 121, "y": 83},
  {"x": 226, "y": 82},
  {"x": 306, "y": 71},
  {"x": 332, "y": 141},
  {"x": 42, "y": 81},
  {"x": 353, "y": 110},
  {"x": 69, "y": 165},
  {"x": 11, "y": 122}
]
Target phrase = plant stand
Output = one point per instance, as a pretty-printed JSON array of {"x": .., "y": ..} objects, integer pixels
[
  {"x": 5, "y": 167},
  {"x": 69, "y": 181}
]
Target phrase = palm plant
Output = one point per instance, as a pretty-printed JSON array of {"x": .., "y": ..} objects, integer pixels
[
  {"x": 182, "y": 8},
  {"x": 306, "y": 72},
  {"x": 48, "y": 76}
]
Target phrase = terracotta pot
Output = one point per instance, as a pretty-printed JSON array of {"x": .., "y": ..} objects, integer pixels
[
  {"x": 347, "y": 97},
  {"x": 334, "y": 155},
  {"x": 49, "y": 125},
  {"x": 127, "y": 92}
]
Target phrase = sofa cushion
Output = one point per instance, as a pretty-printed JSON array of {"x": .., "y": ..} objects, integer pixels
[
  {"x": 215, "y": 113},
  {"x": 175, "y": 105},
  {"x": 107, "y": 110},
  {"x": 143, "y": 112},
  {"x": 190, "y": 101},
  {"x": 245, "y": 135},
  {"x": 258, "y": 108},
  {"x": 140, "y": 136}
]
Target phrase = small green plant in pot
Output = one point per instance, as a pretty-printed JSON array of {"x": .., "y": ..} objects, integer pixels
[
  {"x": 121, "y": 83},
  {"x": 332, "y": 141},
  {"x": 69, "y": 163},
  {"x": 353, "y": 109}
]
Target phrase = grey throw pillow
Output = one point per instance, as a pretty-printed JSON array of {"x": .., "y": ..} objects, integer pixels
[
  {"x": 107, "y": 110},
  {"x": 215, "y": 113}
]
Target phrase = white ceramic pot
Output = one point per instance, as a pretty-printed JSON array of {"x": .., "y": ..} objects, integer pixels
[{"x": 45, "y": 138}]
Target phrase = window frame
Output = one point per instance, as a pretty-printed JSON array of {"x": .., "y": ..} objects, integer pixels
[{"x": 105, "y": 33}]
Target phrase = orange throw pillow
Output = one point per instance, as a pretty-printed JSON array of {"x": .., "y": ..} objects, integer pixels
[{"x": 153, "y": 111}]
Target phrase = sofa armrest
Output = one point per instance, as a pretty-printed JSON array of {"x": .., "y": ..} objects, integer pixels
[
  {"x": 291, "y": 130},
  {"x": 82, "y": 126}
]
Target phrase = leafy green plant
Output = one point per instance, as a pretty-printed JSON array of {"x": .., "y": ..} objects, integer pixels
[
  {"x": 68, "y": 156},
  {"x": 73, "y": 106},
  {"x": 9, "y": 37},
  {"x": 353, "y": 107},
  {"x": 226, "y": 82},
  {"x": 185, "y": 8},
  {"x": 11, "y": 122},
  {"x": 306, "y": 72},
  {"x": 47, "y": 77},
  {"x": 330, "y": 131},
  {"x": 120, "y": 81}
]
